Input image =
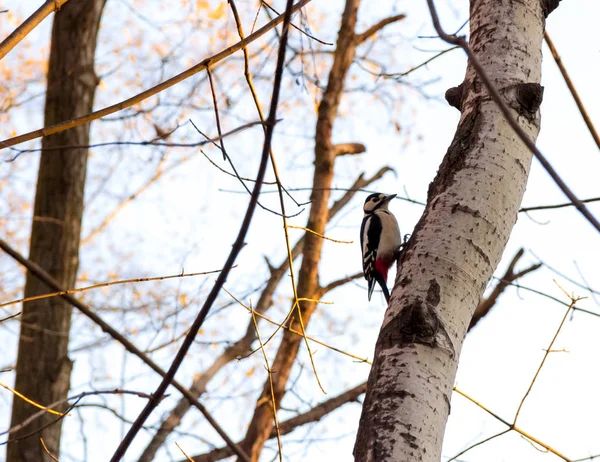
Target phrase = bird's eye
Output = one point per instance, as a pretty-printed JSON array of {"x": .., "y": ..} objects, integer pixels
[{"x": 375, "y": 199}]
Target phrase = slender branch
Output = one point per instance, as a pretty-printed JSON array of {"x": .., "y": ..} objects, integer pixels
[
  {"x": 569, "y": 82},
  {"x": 52, "y": 456},
  {"x": 43, "y": 276},
  {"x": 77, "y": 397},
  {"x": 50, "y": 6},
  {"x": 302, "y": 31},
  {"x": 546, "y": 353},
  {"x": 154, "y": 142},
  {"x": 104, "y": 284},
  {"x": 556, "y": 206},
  {"x": 497, "y": 98},
  {"x": 399, "y": 75},
  {"x": 152, "y": 91},
  {"x": 340, "y": 282},
  {"x": 360, "y": 38},
  {"x": 488, "y": 303}
]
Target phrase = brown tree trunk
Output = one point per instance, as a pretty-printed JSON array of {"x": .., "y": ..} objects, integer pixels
[
  {"x": 43, "y": 367},
  {"x": 261, "y": 424}
]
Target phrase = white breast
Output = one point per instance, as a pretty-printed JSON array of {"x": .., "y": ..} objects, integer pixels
[{"x": 390, "y": 239}]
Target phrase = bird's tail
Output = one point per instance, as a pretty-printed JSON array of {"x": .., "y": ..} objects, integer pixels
[
  {"x": 382, "y": 283},
  {"x": 371, "y": 287}
]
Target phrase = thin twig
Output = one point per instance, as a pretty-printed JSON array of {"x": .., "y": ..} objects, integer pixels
[
  {"x": 557, "y": 206},
  {"x": 50, "y": 6},
  {"x": 511, "y": 427},
  {"x": 105, "y": 284},
  {"x": 479, "y": 443},
  {"x": 546, "y": 353},
  {"x": 316, "y": 234},
  {"x": 48, "y": 451},
  {"x": 184, "y": 453},
  {"x": 302, "y": 31},
  {"x": 78, "y": 397},
  {"x": 155, "y": 142},
  {"x": 270, "y": 373},
  {"x": 569, "y": 82},
  {"x": 216, "y": 111},
  {"x": 30, "y": 401}
]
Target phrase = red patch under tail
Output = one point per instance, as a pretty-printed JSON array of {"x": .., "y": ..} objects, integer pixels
[{"x": 382, "y": 267}]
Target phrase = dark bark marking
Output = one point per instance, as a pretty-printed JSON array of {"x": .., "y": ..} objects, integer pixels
[
  {"x": 416, "y": 323},
  {"x": 433, "y": 293},
  {"x": 480, "y": 251},
  {"x": 410, "y": 440},
  {"x": 521, "y": 166},
  {"x": 466, "y": 209},
  {"x": 454, "y": 160}
]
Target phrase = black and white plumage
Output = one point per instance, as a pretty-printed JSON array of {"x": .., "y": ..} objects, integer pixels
[{"x": 380, "y": 241}]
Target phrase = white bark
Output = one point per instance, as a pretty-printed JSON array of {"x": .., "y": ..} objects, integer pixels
[{"x": 472, "y": 206}]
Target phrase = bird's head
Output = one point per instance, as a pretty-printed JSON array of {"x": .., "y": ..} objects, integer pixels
[{"x": 377, "y": 201}]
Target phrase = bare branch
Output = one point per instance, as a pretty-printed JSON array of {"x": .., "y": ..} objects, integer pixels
[
  {"x": 340, "y": 282},
  {"x": 360, "y": 38},
  {"x": 565, "y": 74},
  {"x": 510, "y": 276},
  {"x": 556, "y": 206},
  {"x": 50, "y": 6}
]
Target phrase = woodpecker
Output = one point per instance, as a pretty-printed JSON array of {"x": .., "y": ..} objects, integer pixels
[{"x": 380, "y": 241}]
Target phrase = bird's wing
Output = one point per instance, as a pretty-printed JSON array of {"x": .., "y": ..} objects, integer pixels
[{"x": 369, "y": 236}]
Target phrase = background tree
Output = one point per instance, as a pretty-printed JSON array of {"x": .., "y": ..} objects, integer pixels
[{"x": 43, "y": 367}]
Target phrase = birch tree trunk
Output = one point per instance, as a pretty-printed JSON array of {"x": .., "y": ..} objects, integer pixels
[
  {"x": 471, "y": 208},
  {"x": 43, "y": 367}
]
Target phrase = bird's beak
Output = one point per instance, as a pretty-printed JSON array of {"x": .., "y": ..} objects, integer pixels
[{"x": 390, "y": 197}]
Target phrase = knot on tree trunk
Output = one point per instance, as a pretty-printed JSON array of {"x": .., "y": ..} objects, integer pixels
[
  {"x": 549, "y": 6},
  {"x": 529, "y": 96},
  {"x": 454, "y": 96}
]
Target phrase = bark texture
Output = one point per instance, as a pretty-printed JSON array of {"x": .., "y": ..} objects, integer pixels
[
  {"x": 43, "y": 367},
  {"x": 308, "y": 277},
  {"x": 471, "y": 208}
]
